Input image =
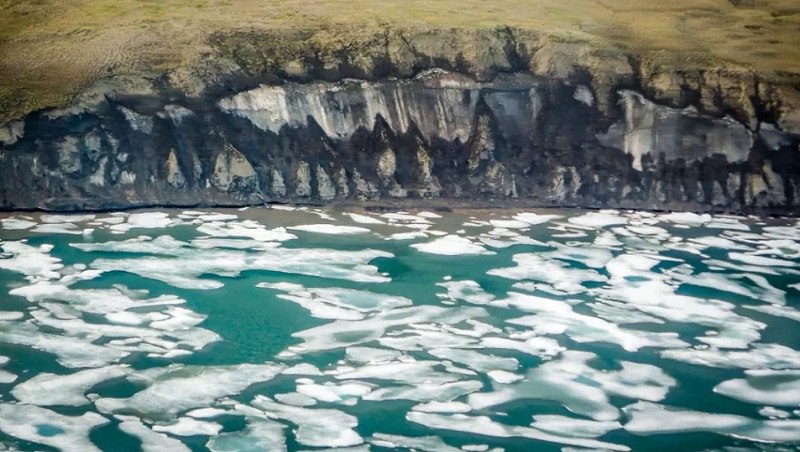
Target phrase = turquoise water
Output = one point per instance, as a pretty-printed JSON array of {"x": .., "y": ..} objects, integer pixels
[{"x": 306, "y": 329}]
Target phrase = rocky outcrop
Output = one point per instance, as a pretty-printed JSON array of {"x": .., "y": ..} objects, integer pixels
[{"x": 517, "y": 139}]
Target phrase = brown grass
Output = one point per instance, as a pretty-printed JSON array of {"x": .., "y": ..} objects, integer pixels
[{"x": 49, "y": 49}]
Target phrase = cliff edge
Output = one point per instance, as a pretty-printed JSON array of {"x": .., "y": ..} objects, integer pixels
[{"x": 207, "y": 102}]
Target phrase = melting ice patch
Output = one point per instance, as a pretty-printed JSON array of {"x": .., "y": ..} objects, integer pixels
[
  {"x": 483, "y": 425},
  {"x": 559, "y": 275},
  {"x": 42, "y": 426},
  {"x": 337, "y": 303},
  {"x": 179, "y": 388},
  {"x": 315, "y": 427},
  {"x": 452, "y": 245},
  {"x": 580, "y": 388},
  {"x": 67, "y": 390},
  {"x": 764, "y": 387},
  {"x": 650, "y": 419}
]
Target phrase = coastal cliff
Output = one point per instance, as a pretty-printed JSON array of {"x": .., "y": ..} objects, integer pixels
[{"x": 500, "y": 117}]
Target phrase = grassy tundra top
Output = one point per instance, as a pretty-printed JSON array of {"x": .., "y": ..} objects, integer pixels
[{"x": 50, "y": 49}]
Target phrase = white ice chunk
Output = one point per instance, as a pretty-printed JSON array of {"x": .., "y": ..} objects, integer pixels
[
  {"x": 477, "y": 361},
  {"x": 778, "y": 311},
  {"x": 180, "y": 388},
  {"x": 772, "y": 412},
  {"x": 204, "y": 413},
  {"x": 571, "y": 427},
  {"x": 452, "y": 245},
  {"x": 187, "y": 426},
  {"x": 651, "y": 419},
  {"x": 315, "y": 427},
  {"x": 426, "y": 392},
  {"x": 295, "y": 399},
  {"x": 342, "y": 334},
  {"x": 443, "y": 407},
  {"x": 419, "y": 443},
  {"x": 483, "y": 425},
  {"x": 48, "y": 389},
  {"x": 370, "y": 355},
  {"x": 764, "y": 387},
  {"x": 347, "y": 393},
  {"x": 17, "y": 223},
  {"x": 504, "y": 377},
  {"x": 598, "y": 220},
  {"x": 534, "y": 219},
  {"x": 151, "y": 441},
  {"x": 258, "y": 435},
  {"x": 42, "y": 426},
  {"x": 66, "y": 218},
  {"x": 145, "y": 220},
  {"x": 581, "y": 388},
  {"x": 247, "y": 228},
  {"x": 332, "y": 229},
  {"x": 556, "y": 273},
  {"x": 558, "y": 317},
  {"x": 759, "y": 356},
  {"x": 30, "y": 260},
  {"x": 364, "y": 219}
]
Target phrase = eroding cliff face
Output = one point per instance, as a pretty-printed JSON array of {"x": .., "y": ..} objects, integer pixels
[{"x": 519, "y": 139}]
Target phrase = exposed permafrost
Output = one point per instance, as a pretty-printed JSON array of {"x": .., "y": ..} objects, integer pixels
[{"x": 518, "y": 139}]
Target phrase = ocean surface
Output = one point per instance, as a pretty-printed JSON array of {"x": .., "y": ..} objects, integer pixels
[{"x": 276, "y": 329}]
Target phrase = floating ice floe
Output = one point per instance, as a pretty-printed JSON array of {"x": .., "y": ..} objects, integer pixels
[
  {"x": 469, "y": 291},
  {"x": 558, "y": 274},
  {"x": 581, "y": 388},
  {"x": 151, "y": 441},
  {"x": 205, "y": 413},
  {"x": 187, "y": 426},
  {"x": 187, "y": 268},
  {"x": 342, "y": 334},
  {"x": 634, "y": 282},
  {"x": 764, "y": 387},
  {"x": 477, "y": 361},
  {"x": 6, "y": 377},
  {"x": 70, "y": 352},
  {"x": 179, "y": 388},
  {"x": 759, "y": 356},
  {"x": 30, "y": 261},
  {"x": 337, "y": 303},
  {"x": 145, "y": 220},
  {"x": 47, "y": 389},
  {"x": 777, "y": 311},
  {"x": 333, "y": 229},
  {"x": 42, "y": 426},
  {"x": 315, "y": 427},
  {"x": 370, "y": 355},
  {"x": 452, "y": 245},
  {"x": 17, "y": 224},
  {"x": 345, "y": 393},
  {"x": 572, "y": 427},
  {"x": 442, "y": 407},
  {"x": 419, "y": 443},
  {"x": 426, "y": 392},
  {"x": 258, "y": 435},
  {"x": 598, "y": 220},
  {"x": 66, "y": 218},
  {"x": 651, "y": 419},
  {"x": 686, "y": 218},
  {"x": 557, "y": 317},
  {"x": 534, "y": 219},
  {"x": 774, "y": 413},
  {"x": 248, "y": 229},
  {"x": 364, "y": 219},
  {"x": 483, "y": 425}
]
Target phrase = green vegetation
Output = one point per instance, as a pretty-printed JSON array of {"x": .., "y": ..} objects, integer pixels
[{"x": 50, "y": 49}]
